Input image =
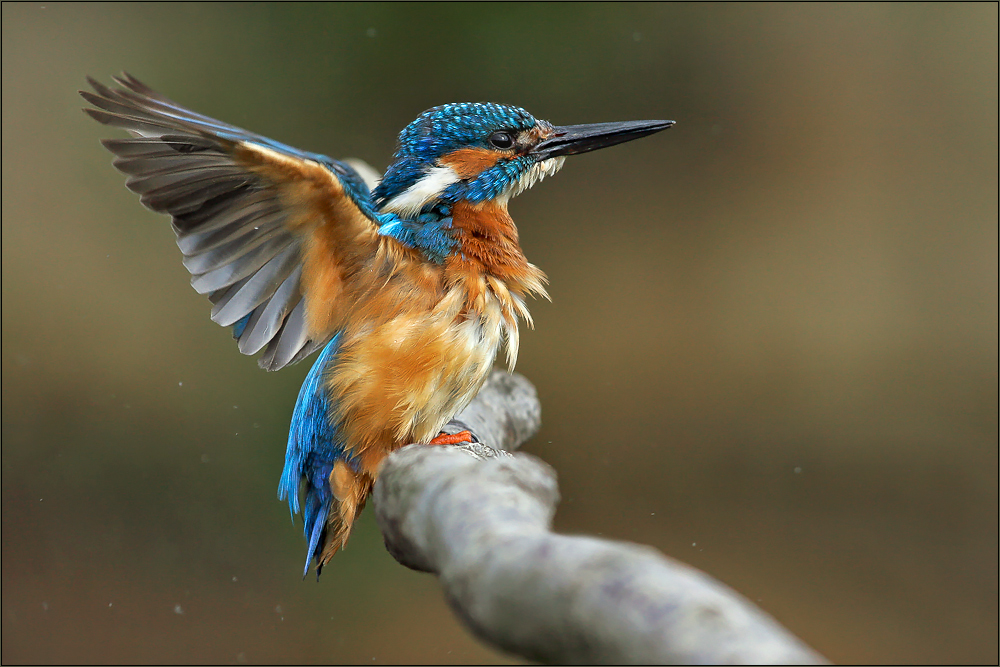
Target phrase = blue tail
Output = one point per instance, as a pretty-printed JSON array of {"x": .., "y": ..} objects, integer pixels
[
  {"x": 319, "y": 500},
  {"x": 313, "y": 449}
]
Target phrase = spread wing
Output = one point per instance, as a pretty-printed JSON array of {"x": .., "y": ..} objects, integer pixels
[{"x": 260, "y": 224}]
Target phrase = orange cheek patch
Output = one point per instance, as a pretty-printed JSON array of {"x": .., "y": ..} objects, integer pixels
[{"x": 470, "y": 162}]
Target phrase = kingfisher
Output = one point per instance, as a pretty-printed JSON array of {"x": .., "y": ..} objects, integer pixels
[{"x": 407, "y": 285}]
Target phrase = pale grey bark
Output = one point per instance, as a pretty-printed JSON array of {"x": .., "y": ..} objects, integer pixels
[{"x": 479, "y": 518}]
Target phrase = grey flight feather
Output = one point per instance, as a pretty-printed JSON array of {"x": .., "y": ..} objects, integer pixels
[
  {"x": 261, "y": 219},
  {"x": 271, "y": 316}
]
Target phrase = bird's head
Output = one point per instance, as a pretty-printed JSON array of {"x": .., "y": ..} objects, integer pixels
[{"x": 479, "y": 151}]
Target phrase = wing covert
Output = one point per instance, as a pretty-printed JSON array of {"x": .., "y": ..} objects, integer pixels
[{"x": 245, "y": 210}]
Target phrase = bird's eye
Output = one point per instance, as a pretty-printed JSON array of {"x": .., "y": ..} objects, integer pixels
[{"x": 501, "y": 140}]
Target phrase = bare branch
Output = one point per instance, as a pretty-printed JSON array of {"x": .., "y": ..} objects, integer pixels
[{"x": 480, "y": 519}]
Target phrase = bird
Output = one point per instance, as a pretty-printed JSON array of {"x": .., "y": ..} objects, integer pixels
[{"x": 408, "y": 285}]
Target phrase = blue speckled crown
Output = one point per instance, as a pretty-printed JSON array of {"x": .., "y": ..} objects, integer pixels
[{"x": 451, "y": 126}]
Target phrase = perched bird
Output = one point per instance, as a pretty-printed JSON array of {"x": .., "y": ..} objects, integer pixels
[{"x": 408, "y": 289}]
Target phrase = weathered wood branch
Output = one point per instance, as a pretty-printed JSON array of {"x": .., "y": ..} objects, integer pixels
[{"x": 479, "y": 518}]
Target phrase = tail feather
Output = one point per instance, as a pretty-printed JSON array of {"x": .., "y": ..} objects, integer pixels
[
  {"x": 314, "y": 535},
  {"x": 334, "y": 497},
  {"x": 351, "y": 490}
]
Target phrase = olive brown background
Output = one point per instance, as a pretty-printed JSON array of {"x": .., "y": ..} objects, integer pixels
[{"x": 771, "y": 350}]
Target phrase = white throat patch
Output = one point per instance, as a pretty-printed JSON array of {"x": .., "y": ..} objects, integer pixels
[{"x": 535, "y": 174}]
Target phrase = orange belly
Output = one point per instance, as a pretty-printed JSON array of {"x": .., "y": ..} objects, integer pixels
[{"x": 400, "y": 379}]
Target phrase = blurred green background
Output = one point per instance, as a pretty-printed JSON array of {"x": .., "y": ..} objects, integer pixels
[{"x": 771, "y": 350}]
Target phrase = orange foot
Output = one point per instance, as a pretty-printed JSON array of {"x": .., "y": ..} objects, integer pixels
[{"x": 453, "y": 439}]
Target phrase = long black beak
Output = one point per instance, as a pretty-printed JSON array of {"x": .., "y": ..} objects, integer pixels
[{"x": 573, "y": 139}]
